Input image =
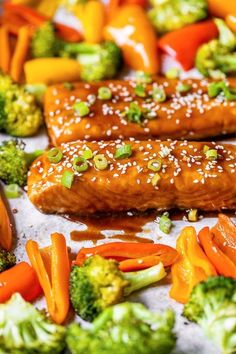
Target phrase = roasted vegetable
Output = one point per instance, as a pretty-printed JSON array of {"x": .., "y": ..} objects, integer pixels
[
  {"x": 7, "y": 260},
  {"x": 25, "y": 330},
  {"x": 127, "y": 328},
  {"x": 99, "y": 283},
  {"x": 19, "y": 113},
  {"x": 218, "y": 57},
  {"x": 15, "y": 162},
  {"x": 173, "y": 14},
  {"x": 212, "y": 305}
]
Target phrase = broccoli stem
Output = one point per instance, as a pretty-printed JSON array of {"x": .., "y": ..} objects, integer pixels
[
  {"x": 143, "y": 278},
  {"x": 81, "y": 48}
]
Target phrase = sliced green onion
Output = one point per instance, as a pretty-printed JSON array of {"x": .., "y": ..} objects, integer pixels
[
  {"x": 140, "y": 90},
  {"x": 100, "y": 162},
  {"x": 155, "y": 179},
  {"x": 165, "y": 224},
  {"x": 12, "y": 191},
  {"x": 87, "y": 154},
  {"x": 67, "y": 179},
  {"x": 81, "y": 108},
  {"x": 158, "y": 94},
  {"x": 134, "y": 113},
  {"x": 68, "y": 85},
  {"x": 80, "y": 164},
  {"x": 193, "y": 215},
  {"x": 211, "y": 154},
  {"x": 205, "y": 148},
  {"x": 123, "y": 152},
  {"x": 183, "y": 88},
  {"x": 104, "y": 93},
  {"x": 215, "y": 88},
  {"x": 54, "y": 155},
  {"x": 172, "y": 73},
  {"x": 143, "y": 77},
  {"x": 155, "y": 165}
]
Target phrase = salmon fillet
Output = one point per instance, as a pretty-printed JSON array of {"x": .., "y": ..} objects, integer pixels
[
  {"x": 186, "y": 178},
  {"x": 192, "y": 116}
]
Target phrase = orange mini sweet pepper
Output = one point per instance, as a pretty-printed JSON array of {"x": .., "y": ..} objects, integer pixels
[
  {"x": 191, "y": 268},
  {"x": 222, "y": 8},
  {"x": 131, "y": 30}
]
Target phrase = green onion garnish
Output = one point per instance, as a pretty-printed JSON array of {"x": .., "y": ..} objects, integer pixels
[
  {"x": 183, "y": 88},
  {"x": 67, "y": 179},
  {"x": 123, "y": 152},
  {"x": 12, "y": 191},
  {"x": 54, "y": 155},
  {"x": 211, "y": 154},
  {"x": 80, "y": 164},
  {"x": 68, "y": 85},
  {"x": 140, "y": 90},
  {"x": 134, "y": 113},
  {"x": 87, "y": 154},
  {"x": 104, "y": 93},
  {"x": 172, "y": 73},
  {"x": 220, "y": 87},
  {"x": 155, "y": 179},
  {"x": 193, "y": 215},
  {"x": 155, "y": 165},
  {"x": 100, "y": 162},
  {"x": 143, "y": 77},
  {"x": 205, "y": 148},
  {"x": 81, "y": 108},
  {"x": 165, "y": 224},
  {"x": 158, "y": 94}
]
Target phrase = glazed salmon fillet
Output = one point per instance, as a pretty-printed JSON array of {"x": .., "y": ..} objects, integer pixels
[
  {"x": 156, "y": 175},
  {"x": 192, "y": 115}
]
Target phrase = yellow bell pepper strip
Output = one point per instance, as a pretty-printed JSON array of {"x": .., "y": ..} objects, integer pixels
[
  {"x": 6, "y": 234},
  {"x": 225, "y": 236},
  {"x": 92, "y": 14},
  {"x": 221, "y": 8},
  {"x": 219, "y": 259},
  {"x": 55, "y": 284},
  {"x": 131, "y": 30},
  {"x": 48, "y": 8},
  {"x": 192, "y": 267}
]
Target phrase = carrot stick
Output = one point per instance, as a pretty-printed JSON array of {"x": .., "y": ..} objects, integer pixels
[
  {"x": 5, "y": 56},
  {"x": 20, "y": 53},
  {"x": 5, "y": 228}
]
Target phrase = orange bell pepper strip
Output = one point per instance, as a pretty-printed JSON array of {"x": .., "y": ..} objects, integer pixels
[
  {"x": 221, "y": 8},
  {"x": 6, "y": 234},
  {"x": 20, "y": 53},
  {"x": 5, "y": 57},
  {"x": 128, "y": 250},
  {"x": 175, "y": 45},
  {"x": 19, "y": 279},
  {"x": 192, "y": 267},
  {"x": 219, "y": 259},
  {"x": 225, "y": 236},
  {"x": 55, "y": 284},
  {"x": 132, "y": 31},
  {"x": 113, "y": 6}
]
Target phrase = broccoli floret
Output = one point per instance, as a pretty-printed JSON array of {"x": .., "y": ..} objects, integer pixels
[
  {"x": 15, "y": 162},
  {"x": 212, "y": 305},
  {"x": 127, "y": 328},
  {"x": 99, "y": 283},
  {"x": 7, "y": 260},
  {"x": 218, "y": 57},
  {"x": 173, "y": 14},
  {"x": 23, "y": 329},
  {"x": 20, "y": 114}
]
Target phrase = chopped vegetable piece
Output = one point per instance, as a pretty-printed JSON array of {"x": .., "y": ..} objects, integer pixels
[
  {"x": 12, "y": 191},
  {"x": 193, "y": 215},
  {"x": 155, "y": 165},
  {"x": 67, "y": 179},
  {"x": 54, "y": 155},
  {"x": 104, "y": 93},
  {"x": 80, "y": 164},
  {"x": 123, "y": 152},
  {"x": 100, "y": 161},
  {"x": 211, "y": 154},
  {"x": 165, "y": 224},
  {"x": 140, "y": 90},
  {"x": 155, "y": 179},
  {"x": 183, "y": 88},
  {"x": 172, "y": 73},
  {"x": 143, "y": 77},
  {"x": 87, "y": 154},
  {"x": 134, "y": 113},
  {"x": 81, "y": 108},
  {"x": 158, "y": 94}
]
